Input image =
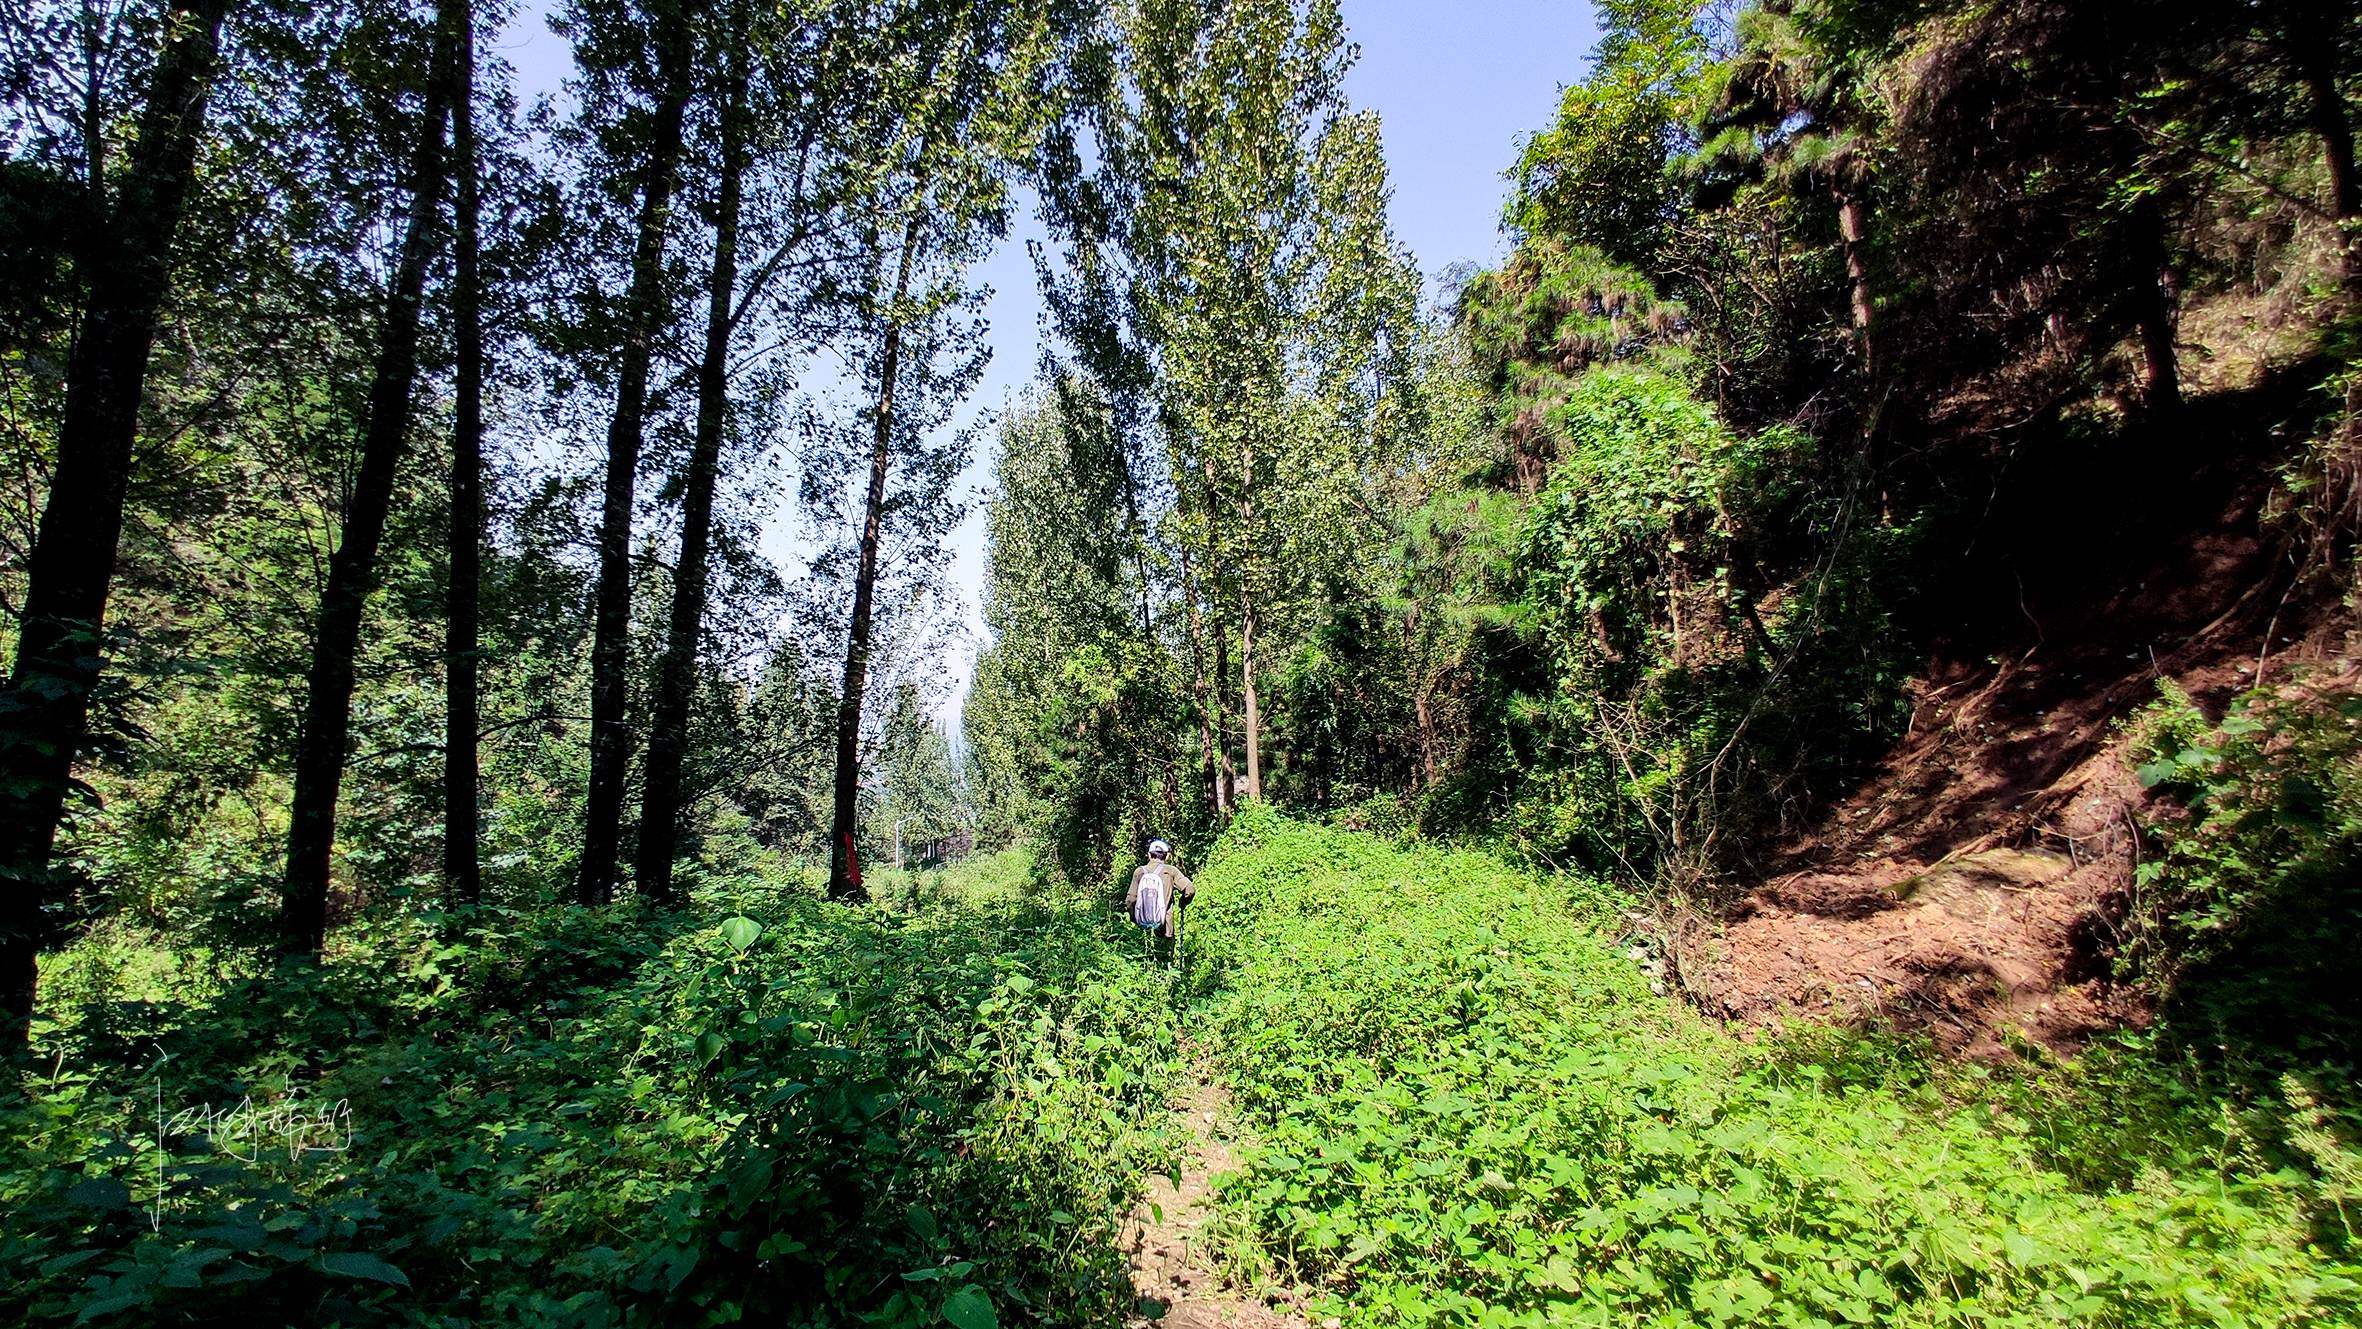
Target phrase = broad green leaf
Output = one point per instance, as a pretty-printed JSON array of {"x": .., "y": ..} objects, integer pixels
[
  {"x": 99, "y": 1193},
  {"x": 970, "y": 1308},
  {"x": 741, "y": 932},
  {"x": 361, "y": 1264}
]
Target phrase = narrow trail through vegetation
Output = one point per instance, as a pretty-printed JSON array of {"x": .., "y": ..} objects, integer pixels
[{"x": 1181, "y": 1284}]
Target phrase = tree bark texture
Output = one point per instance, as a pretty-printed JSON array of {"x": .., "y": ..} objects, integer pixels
[
  {"x": 72, "y": 564},
  {"x": 352, "y": 569},
  {"x": 462, "y": 869},
  {"x": 676, "y": 683},
  {"x": 1853, "y": 227},
  {"x": 1250, "y": 711},
  {"x": 844, "y": 862},
  {"x": 1217, "y": 793},
  {"x": 644, "y": 310}
]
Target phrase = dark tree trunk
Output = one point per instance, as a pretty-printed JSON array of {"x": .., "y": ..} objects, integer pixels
[
  {"x": 72, "y": 565},
  {"x": 844, "y": 866},
  {"x": 2313, "y": 48},
  {"x": 610, "y": 755},
  {"x": 1250, "y": 711},
  {"x": 352, "y": 569},
  {"x": 2161, "y": 377},
  {"x": 660, "y": 809},
  {"x": 462, "y": 873}
]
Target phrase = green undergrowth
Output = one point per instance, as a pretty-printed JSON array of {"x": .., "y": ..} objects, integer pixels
[
  {"x": 935, "y": 1109},
  {"x": 1470, "y": 1110}
]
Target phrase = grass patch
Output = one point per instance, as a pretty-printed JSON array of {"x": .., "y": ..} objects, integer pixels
[{"x": 1472, "y": 1111}]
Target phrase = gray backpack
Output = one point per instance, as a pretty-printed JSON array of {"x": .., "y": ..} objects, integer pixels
[{"x": 1155, "y": 899}]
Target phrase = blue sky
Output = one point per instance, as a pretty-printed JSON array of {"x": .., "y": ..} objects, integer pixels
[{"x": 1455, "y": 85}]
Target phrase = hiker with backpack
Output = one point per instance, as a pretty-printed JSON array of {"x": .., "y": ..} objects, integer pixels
[{"x": 1157, "y": 895}]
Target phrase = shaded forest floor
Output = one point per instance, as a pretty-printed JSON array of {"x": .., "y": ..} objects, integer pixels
[{"x": 1974, "y": 886}]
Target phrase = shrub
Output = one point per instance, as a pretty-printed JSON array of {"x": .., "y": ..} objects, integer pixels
[
  {"x": 2252, "y": 892},
  {"x": 1699, "y": 694},
  {"x": 768, "y": 1107}
]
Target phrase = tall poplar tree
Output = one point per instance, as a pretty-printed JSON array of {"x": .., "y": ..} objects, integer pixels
[
  {"x": 646, "y": 311},
  {"x": 958, "y": 101},
  {"x": 676, "y": 680},
  {"x": 1264, "y": 295},
  {"x": 462, "y": 869},
  {"x": 321, "y": 745}
]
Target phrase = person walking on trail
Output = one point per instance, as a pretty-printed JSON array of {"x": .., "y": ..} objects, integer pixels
[{"x": 1157, "y": 895}]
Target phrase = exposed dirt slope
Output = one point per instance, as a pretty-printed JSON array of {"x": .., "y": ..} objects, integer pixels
[{"x": 1968, "y": 887}]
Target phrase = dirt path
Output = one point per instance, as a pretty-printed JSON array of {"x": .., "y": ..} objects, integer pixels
[{"x": 1172, "y": 1268}]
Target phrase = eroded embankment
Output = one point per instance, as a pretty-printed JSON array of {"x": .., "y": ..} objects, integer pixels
[{"x": 1974, "y": 884}]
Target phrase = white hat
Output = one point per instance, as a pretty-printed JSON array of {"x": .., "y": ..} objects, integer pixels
[{"x": 1157, "y": 848}]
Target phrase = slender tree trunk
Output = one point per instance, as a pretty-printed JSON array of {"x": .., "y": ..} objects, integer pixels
[
  {"x": 644, "y": 311},
  {"x": 1426, "y": 739},
  {"x": 46, "y": 704},
  {"x": 1420, "y": 690},
  {"x": 1226, "y": 772},
  {"x": 2153, "y": 304},
  {"x": 676, "y": 683},
  {"x": 1853, "y": 227},
  {"x": 2161, "y": 379},
  {"x": 1249, "y": 708},
  {"x": 462, "y": 873},
  {"x": 352, "y": 569},
  {"x": 1250, "y": 711},
  {"x": 1216, "y": 791},
  {"x": 1229, "y": 799},
  {"x": 844, "y": 870}
]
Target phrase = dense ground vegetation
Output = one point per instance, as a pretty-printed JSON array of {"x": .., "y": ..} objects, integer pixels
[
  {"x": 766, "y": 1106},
  {"x": 1473, "y": 1110}
]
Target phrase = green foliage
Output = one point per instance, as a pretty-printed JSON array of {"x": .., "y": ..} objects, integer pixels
[
  {"x": 1690, "y": 702},
  {"x": 1603, "y": 174},
  {"x": 770, "y": 1108},
  {"x": 1074, "y": 710},
  {"x": 1532, "y": 329},
  {"x": 1470, "y": 1111},
  {"x": 2245, "y": 918}
]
